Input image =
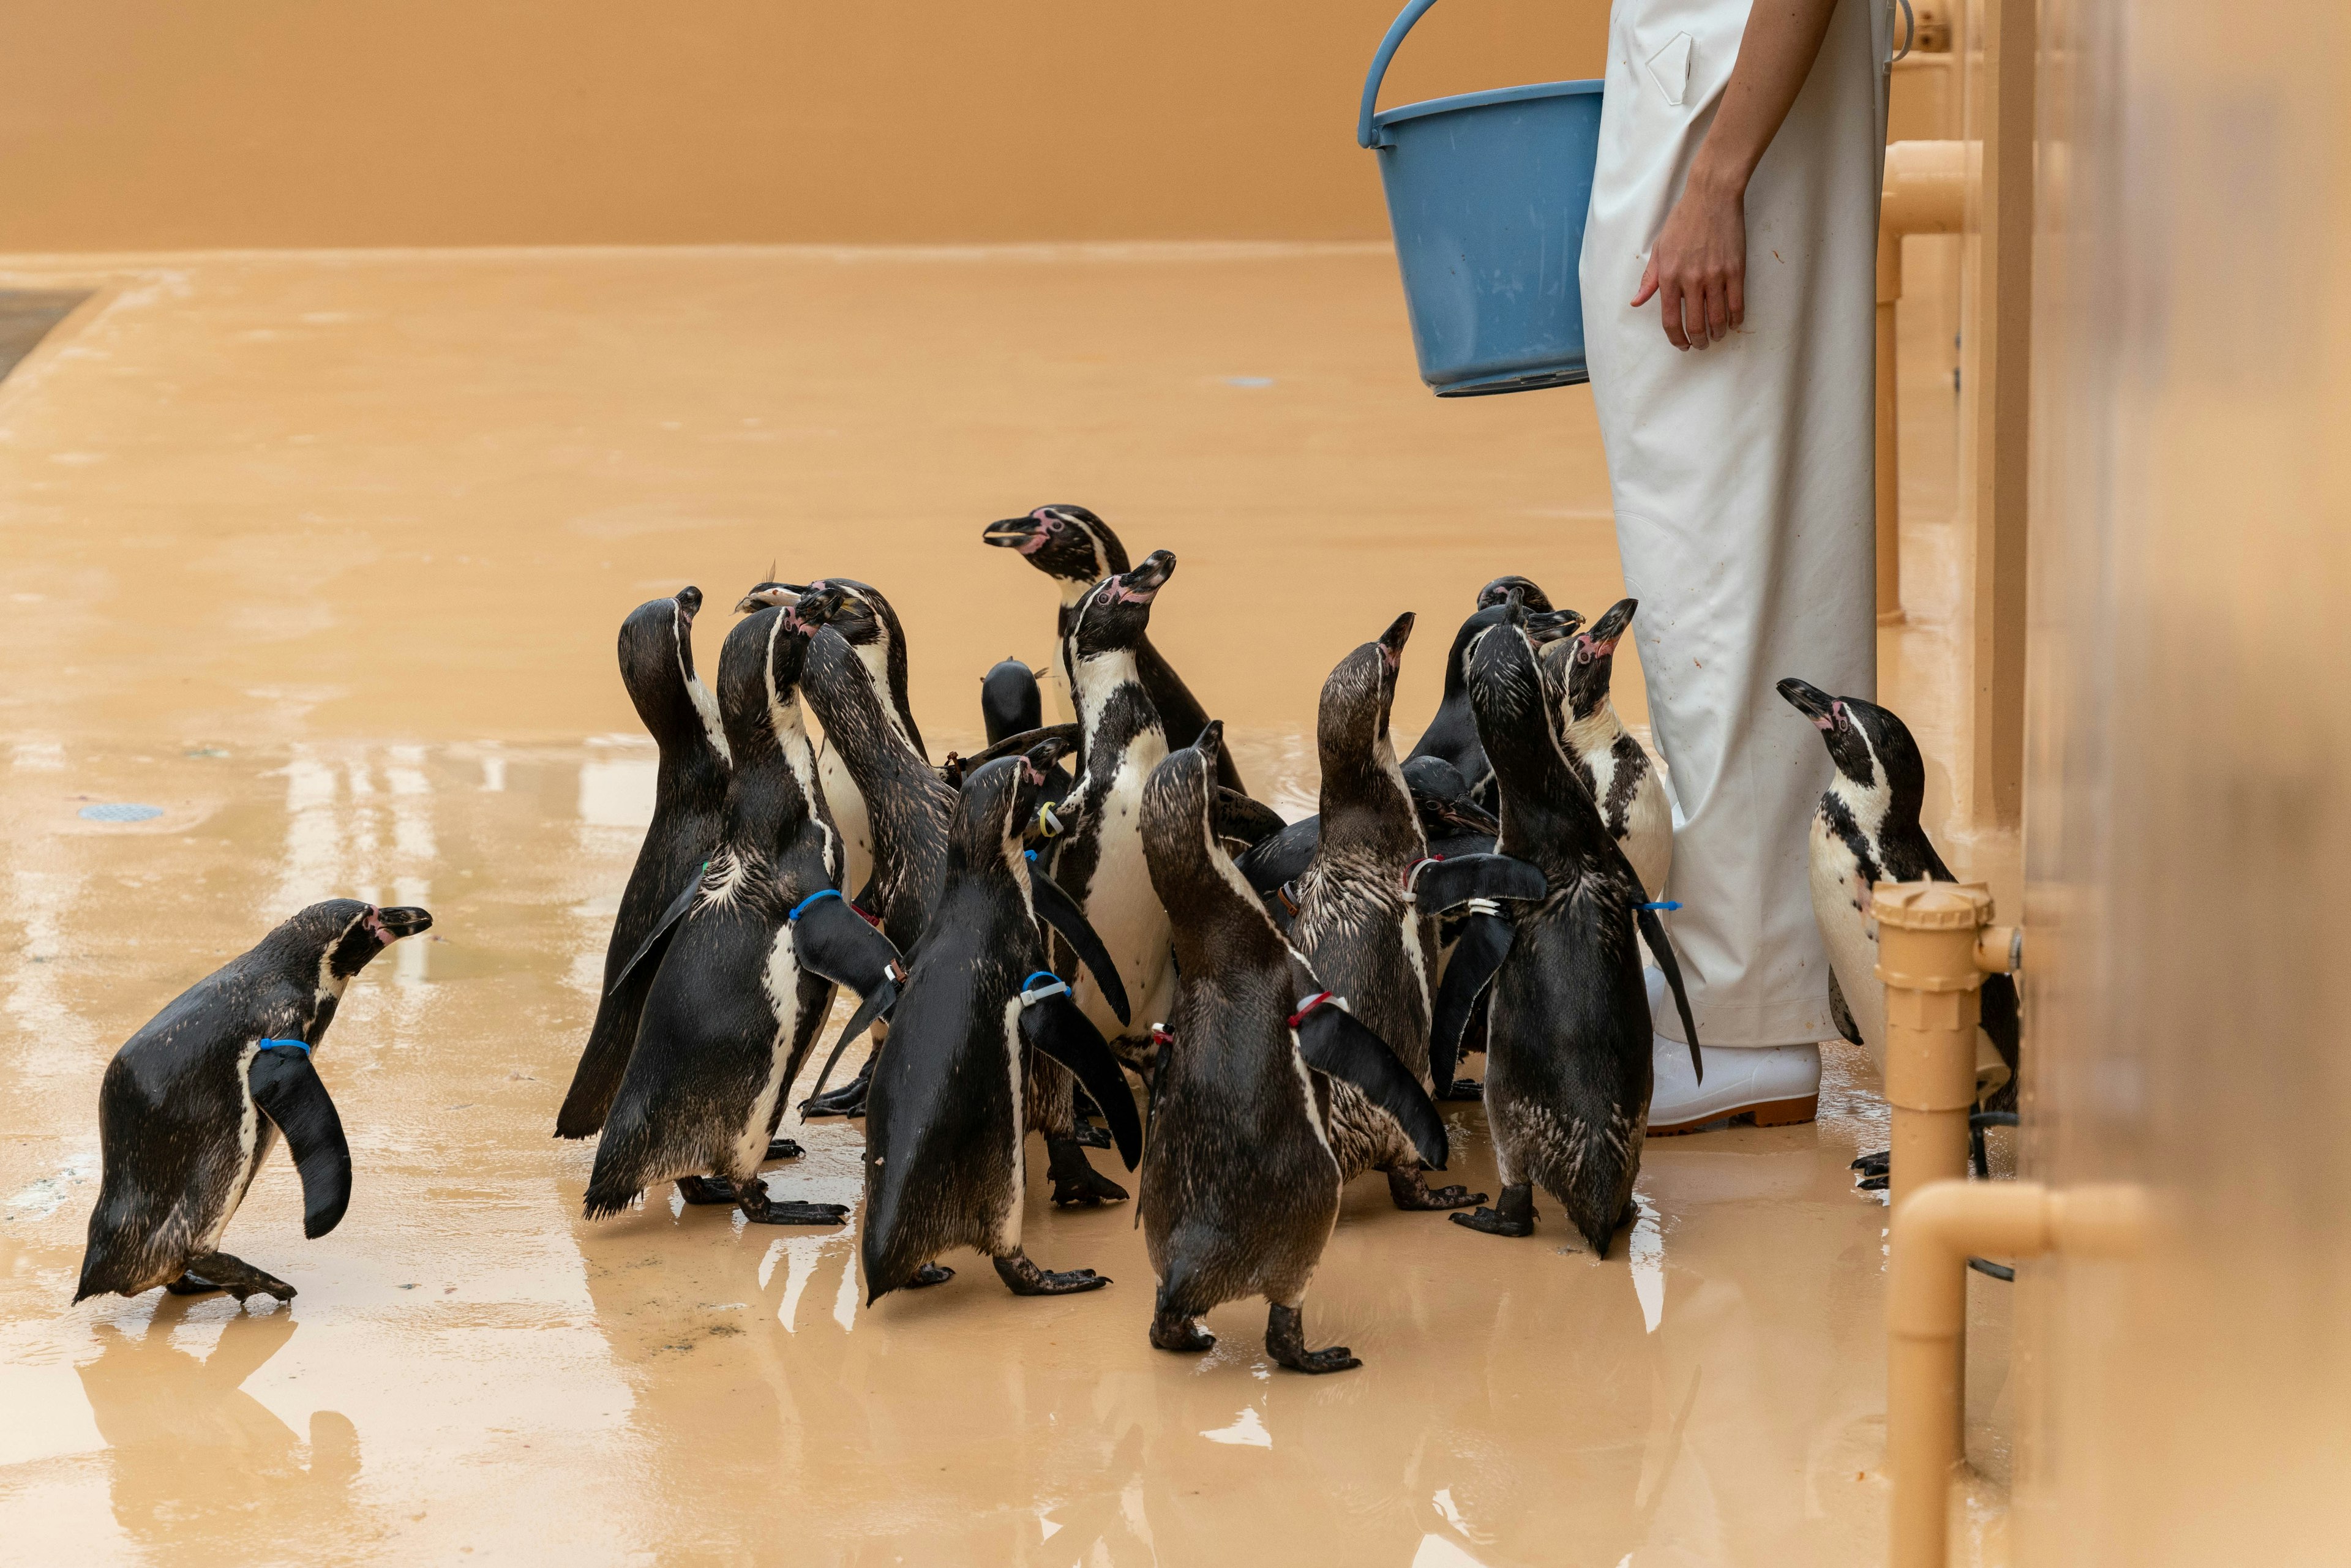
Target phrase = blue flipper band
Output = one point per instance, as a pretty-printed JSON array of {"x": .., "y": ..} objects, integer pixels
[
  {"x": 1663, "y": 904},
  {"x": 302, "y": 1046},
  {"x": 1032, "y": 992},
  {"x": 801, "y": 908},
  {"x": 1031, "y": 854}
]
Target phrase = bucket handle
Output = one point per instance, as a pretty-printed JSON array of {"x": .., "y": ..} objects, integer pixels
[{"x": 1364, "y": 135}]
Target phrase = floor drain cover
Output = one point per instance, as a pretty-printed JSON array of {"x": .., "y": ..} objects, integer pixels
[{"x": 120, "y": 812}]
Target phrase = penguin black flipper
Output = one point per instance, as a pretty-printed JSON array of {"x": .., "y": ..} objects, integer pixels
[
  {"x": 1058, "y": 910},
  {"x": 1283, "y": 857},
  {"x": 833, "y": 940},
  {"x": 1443, "y": 884},
  {"x": 1251, "y": 821},
  {"x": 1335, "y": 1042},
  {"x": 658, "y": 938},
  {"x": 1012, "y": 743},
  {"x": 1841, "y": 1013},
  {"x": 1055, "y": 1026},
  {"x": 877, "y": 1003},
  {"x": 1485, "y": 943},
  {"x": 1653, "y": 932},
  {"x": 287, "y": 1089}
]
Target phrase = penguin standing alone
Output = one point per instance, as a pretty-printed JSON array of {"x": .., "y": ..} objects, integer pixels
[
  {"x": 947, "y": 1119},
  {"x": 1568, "y": 1037},
  {"x": 1240, "y": 1182},
  {"x": 192, "y": 1102},
  {"x": 746, "y": 958},
  {"x": 689, "y": 802},
  {"x": 1625, "y": 784},
  {"x": 1366, "y": 906},
  {"x": 1866, "y": 831},
  {"x": 1076, "y": 549}
]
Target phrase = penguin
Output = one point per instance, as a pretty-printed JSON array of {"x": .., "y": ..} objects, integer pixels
[
  {"x": 1452, "y": 733},
  {"x": 689, "y": 802},
  {"x": 1451, "y": 822},
  {"x": 1367, "y": 906},
  {"x": 905, "y": 803},
  {"x": 1630, "y": 792},
  {"x": 859, "y": 612},
  {"x": 1011, "y": 705},
  {"x": 1568, "y": 1036},
  {"x": 190, "y": 1104},
  {"x": 744, "y": 960},
  {"x": 1076, "y": 549},
  {"x": 1121, "y": 740},
  {"x": 947, "y": 1115},
  {"x": 1866, "y": 831},
  {"x": 1240, "y": 1178}
]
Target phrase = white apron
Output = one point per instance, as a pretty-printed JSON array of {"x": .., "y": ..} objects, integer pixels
[{"x": 1743, "y": 484}]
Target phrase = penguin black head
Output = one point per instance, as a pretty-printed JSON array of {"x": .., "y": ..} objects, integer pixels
[
  {"x": 855, "y": 609},
  {"x": 1517, "y": 721},
  {"x": 758, "y": 671},
  {"x": 657, "y": 666},
  {"x": 1497, "y": 591},
  {"x": 342, "y": 934},
  {"x": 1871, "y": 747},
  {"x": 999, "y": 803},
  {"x": 1068, "y": 544},
  {"x": 1009, "y": 702},
  {"x": 1116, "y": 613},
  {"x": 1594, "y": 657},
  {"x": 1180, "y": 842},
  {"x": 1441, "y": 796}
]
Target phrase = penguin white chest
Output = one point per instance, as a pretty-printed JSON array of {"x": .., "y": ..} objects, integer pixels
[
  {"x": 1121, "y": 904},
  {"x": 849, "y": 816},
  {"x": 1648, "y": 836},
  {"x": 1840, "y": 904}
]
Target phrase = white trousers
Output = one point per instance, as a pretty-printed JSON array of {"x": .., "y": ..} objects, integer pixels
[{"x": 1742, "y": 478}]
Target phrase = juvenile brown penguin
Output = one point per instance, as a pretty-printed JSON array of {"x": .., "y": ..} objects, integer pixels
[
  {"x": 1240, "y": 1182},
  {"x": 689, "y": 802},
  {"x": 190, "y": 1104},
  {"x": 1076, "y": 549}
]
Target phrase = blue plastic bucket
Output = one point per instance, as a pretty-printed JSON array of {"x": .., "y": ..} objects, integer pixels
[{"x": 1486, "y": 194}]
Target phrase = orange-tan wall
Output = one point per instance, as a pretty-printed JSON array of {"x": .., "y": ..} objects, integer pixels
[{"x": 153, "y": 124}]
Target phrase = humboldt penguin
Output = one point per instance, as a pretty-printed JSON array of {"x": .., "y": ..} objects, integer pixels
[
  {"x": 1568, "y": 1037},
  {"x": 1452, "y": 733},
  {"x": 865, "y": 619},
  {"x": 1240, "y": 1179},
  {"x": 689, "y": 801},
  {"x": 1630, "y": 792},
  {"x": 1866, "y": 831},
  {"x": 744, "y": 960},
  {"x": 1367, "y": 906},
  {"x": 1076, "y": 549},
  {"x": 1439, "y": 796},
  {"x": 1011, "y": 704},
  {"x": 190, "y": 1105},
  {"x": 1121, "y": 740},
  {"x": 948, "y": 1114}
]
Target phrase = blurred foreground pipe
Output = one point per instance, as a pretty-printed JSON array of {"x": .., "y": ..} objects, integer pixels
[
  {"x": 1935, "y": 945},
  {"x": 1925, "y": 192},
  {"x": 1926, "y": 1318}
]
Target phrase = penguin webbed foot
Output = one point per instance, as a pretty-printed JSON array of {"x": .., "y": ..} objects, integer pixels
[
  {"x": 218, "y": 1271},
  {"x": 1087, "y": 1135},
  {"x": 760, "y": 1210},
  {"x": 1285, "y": 1341},
  {"x": 1463, "y": 1089},
  {"x": 1408, "y": 1187},
  {"x": 707, "y": 1191},
  {"x": 783, "y": 1149},
  {"x": 930, "y": 1274},
  {"x": 1180, "y": 1332},
  {"x": 849, "y": 1100},
  {"x": 1515, "y": 1216},
  {"x": 1076, "y": 1183},
  {"x": 1874, "y": 1172},
  {"x": 1023, "y": 1278},
  {"x": 190, "y": 1285}
]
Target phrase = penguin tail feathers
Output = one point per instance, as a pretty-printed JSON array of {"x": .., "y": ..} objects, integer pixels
[{"x": 606, "y": 1199}]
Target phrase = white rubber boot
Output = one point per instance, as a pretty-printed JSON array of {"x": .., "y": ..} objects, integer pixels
[{"x": 1770, "y": 1085}]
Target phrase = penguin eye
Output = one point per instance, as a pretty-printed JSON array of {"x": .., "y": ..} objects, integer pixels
[{"x": 1053, "y": 524}]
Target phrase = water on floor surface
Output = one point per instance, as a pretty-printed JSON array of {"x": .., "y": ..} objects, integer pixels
[{"x": 323, "y": 556}]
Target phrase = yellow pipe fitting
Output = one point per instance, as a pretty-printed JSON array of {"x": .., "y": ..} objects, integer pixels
[
  {"x": 1928, "y": 936},
  {"x": 1934, "y": 1234}
]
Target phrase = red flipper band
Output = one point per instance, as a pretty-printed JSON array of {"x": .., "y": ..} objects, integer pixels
[{"x": 1307, "y": 1006}]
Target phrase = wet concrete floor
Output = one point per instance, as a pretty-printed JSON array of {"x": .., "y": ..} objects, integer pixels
[{"x": 322, "y": 556}]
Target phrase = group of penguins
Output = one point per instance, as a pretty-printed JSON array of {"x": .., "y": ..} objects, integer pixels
[{"x": 1031, "y": 923}]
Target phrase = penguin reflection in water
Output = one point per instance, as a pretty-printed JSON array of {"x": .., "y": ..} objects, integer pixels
[
  {"x": 747, "y": 957},
  {"x": 1240, "y": 1182},
  {"x": 954, "y": 1096},
  {"x": 1568, "y": 1037},
  {"x": 1866, "y": 831},
  {"x": 192, "y": 1102}
]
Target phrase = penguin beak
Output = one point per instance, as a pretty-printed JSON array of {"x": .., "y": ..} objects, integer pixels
[
  {"x": 766, "y": 595},
  {"x": 1811, "y": 701},
  {"x": 689, "y": 601},
  {"x": 1552, "y": 625},
  {"x": 817, "y": 603},
  {"x": 1139, "y": 586},
  {"x": 1612, "y": 626},
  {"x": 402, "y": 921},
  {"x": 1211, "y": 744},
  {"x": 1025, "y": 535},
  {"x": 1392, "y": 639}
]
